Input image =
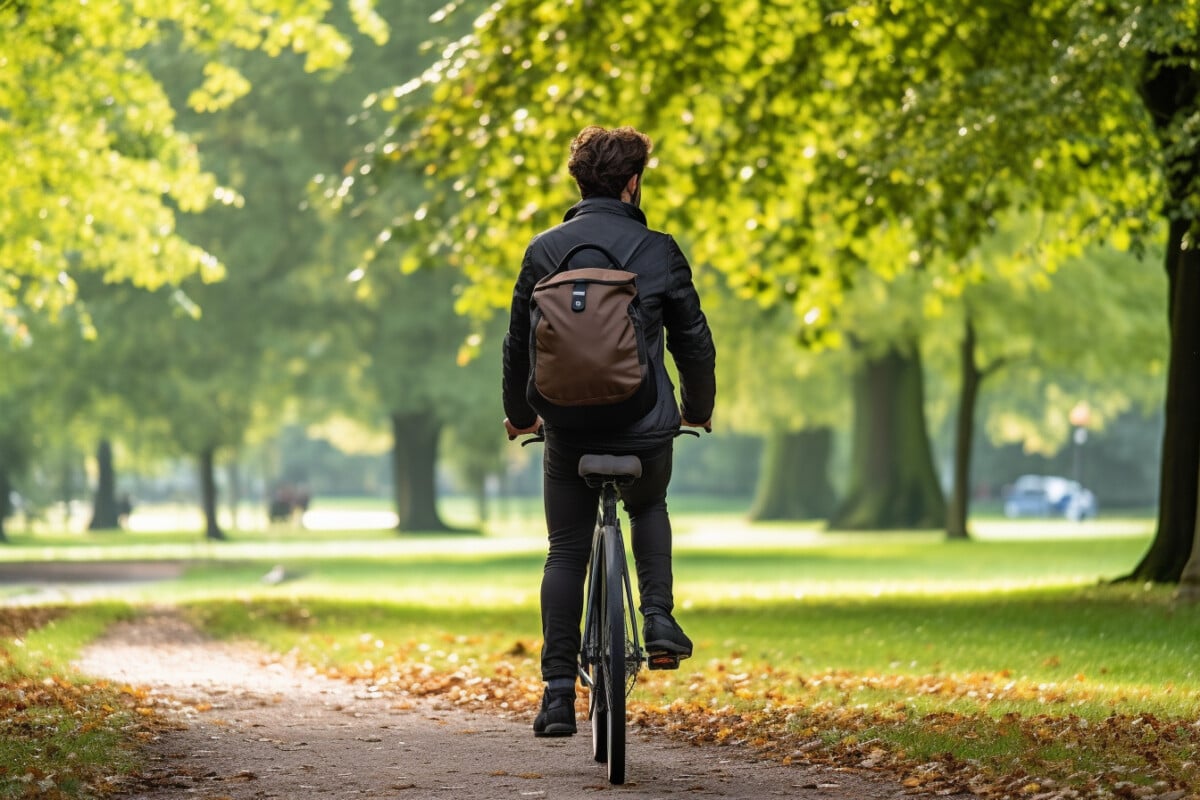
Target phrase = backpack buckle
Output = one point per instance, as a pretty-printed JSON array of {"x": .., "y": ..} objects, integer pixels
[{"x": 579, "y": 296}]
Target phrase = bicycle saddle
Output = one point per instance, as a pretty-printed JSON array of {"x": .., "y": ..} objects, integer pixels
[{"x": 594, "y": 468}]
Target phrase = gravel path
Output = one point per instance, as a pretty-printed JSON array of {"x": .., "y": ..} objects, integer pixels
[{"x": 251, "y": 727}]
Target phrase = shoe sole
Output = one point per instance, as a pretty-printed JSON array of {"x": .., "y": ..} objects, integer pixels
[
  {"x": 556, "y": 729},
  {"x": 665, "y": 655}
]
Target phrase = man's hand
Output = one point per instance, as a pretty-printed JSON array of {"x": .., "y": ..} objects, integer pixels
[
  {"x": 688, "y": 424},
  {"x": 514, "y": 431}
]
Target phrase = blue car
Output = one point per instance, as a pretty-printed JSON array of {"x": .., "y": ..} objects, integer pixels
[{"x": 1049, "y": 496}]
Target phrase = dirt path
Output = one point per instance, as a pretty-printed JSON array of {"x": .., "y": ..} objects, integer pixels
[{"x": 254, "y": 728}]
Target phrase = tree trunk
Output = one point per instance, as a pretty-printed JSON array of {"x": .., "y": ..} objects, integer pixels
[
  {"x": 105, "y": 515},
  {"x": 1180, "y": 470},
  {"x": 208, "y": 494},
  {"x": 893, "y": 484},
  {"x": 66, "y": 490},
  {"x": 1189, "y": 582},
  {"x": 964, "y": 432},
  {"x": 1167, "y": 92},
  {"x": 5, "y": 498},
  {"x": 414, "y": 461},
  {"x": 794, "y": 482},
  {"x": 235, "y": 491}
]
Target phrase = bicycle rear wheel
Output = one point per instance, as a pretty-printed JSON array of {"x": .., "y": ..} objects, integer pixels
[
  {"x": 594, "y": 656},
  {"x": 612, "y": 652}
]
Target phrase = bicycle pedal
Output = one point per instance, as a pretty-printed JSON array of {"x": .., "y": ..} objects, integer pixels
[{"x": 663, "y": 660}]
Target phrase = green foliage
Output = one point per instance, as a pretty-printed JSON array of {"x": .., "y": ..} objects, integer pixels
[
  {"x": 94, "y": 165},
  {"x": 851, "y": 169},
  {"x": 795, "y": 147},
  {"x": 99, "y": 169},
  {"x": 1090, "y": 332}
]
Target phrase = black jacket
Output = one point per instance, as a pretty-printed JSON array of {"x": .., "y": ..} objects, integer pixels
[{"x": 668, "y": 301}]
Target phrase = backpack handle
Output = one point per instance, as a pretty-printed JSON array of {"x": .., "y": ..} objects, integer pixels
[{"x": 579, "y": 248}]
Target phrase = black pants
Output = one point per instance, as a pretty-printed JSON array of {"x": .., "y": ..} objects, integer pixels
[{"x": 571, "y": 520}]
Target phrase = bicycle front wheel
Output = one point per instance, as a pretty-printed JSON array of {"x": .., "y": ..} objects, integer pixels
[{"x": 612, "y": 654}]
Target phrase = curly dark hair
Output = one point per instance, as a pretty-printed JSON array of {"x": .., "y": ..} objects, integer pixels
[{"x": 602, "y": 161}]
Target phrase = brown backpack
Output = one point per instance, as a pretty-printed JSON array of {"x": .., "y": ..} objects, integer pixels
[{"x": 589, "y": 364}]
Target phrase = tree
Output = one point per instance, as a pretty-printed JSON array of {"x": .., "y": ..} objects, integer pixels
[
  {"x": 414, "y": 344},
  {"x": 748, "y": 192},
  {"x": 105, "y": 511},
  {"x": 94, "y": 167},
  {"x": 296, "y": 310},
  {"x": 22, "y": 418},
  {"x": 193, "y": 390},
  {"x": 1082, "y": 109},
  {"x": 1087, "y": 333},
  {"x": 40, "y": 407},
  {"x": 413, "y": 351},
  {"x": 1171, "y": 92},
  {"x": 802, "y": 141},
  {"x": 794, "y": 398}
]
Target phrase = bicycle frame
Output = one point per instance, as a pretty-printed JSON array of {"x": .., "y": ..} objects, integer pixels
[{"x": 606, "y": 522}]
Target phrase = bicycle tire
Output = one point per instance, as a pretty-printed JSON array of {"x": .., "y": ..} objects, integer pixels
[
  {"x": 612, "y": 661},
  {"x": 593, "y": 649}
]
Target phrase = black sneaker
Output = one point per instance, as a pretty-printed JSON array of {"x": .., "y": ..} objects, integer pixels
[
  {"x": 662, "y": 634},
  {"x": 557, "y": 716}
]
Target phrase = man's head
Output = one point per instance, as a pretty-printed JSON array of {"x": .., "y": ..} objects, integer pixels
[{"x": 609, "y": 163}]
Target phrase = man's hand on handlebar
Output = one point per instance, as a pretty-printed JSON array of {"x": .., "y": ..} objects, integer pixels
[
  {"x": 536, "y": 428},
  {"x": 514, "y": 431}
]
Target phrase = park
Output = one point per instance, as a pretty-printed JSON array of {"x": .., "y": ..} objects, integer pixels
[{"x": 262, "y": 532}]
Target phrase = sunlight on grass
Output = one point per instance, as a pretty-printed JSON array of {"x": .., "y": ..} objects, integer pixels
[
  {"x": 999, "y": 679},
  {"x": 855, "y": 641},
  {"x": 721, "y": 560},
  {"x": 58, "y": 731}
]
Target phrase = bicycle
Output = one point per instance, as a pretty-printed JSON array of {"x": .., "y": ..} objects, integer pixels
[{"x": 611, "y": 654}]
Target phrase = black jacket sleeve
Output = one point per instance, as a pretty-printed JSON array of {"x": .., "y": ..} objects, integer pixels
[
  {"x": 516, "y": 350},
  {"x": 689, "y": 340}
]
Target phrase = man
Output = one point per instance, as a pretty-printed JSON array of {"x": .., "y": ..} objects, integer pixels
[{"x": 607, "y": 166}]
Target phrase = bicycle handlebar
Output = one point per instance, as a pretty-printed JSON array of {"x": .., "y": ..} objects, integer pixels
[{"x": 540, "y": 436}]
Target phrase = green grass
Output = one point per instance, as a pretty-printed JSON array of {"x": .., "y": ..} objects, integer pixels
[
  {"x": 925, "y": 646},
  {"x": 1111, "y": 648},
  {"x": 59, "y": 734}
]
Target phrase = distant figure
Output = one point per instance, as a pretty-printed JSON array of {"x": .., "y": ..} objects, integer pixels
[
  {"x": 300, "y": 503},
  {"x": 288, "y": 504},
  {"x": 124, "y": 509}
]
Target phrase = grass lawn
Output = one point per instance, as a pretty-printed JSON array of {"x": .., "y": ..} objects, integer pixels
[{"x": 1001, "y": 663}]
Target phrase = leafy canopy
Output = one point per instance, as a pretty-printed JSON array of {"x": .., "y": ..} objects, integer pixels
[
  {"x": 94, "y": 167},
  {"x": 805, "y": 151}
]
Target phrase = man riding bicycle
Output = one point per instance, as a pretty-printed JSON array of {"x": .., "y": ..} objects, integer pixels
[{"x": 607, "y": 166}]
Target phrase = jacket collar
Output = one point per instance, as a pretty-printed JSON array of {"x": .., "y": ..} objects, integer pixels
[{"x": 609, "y": 205}]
